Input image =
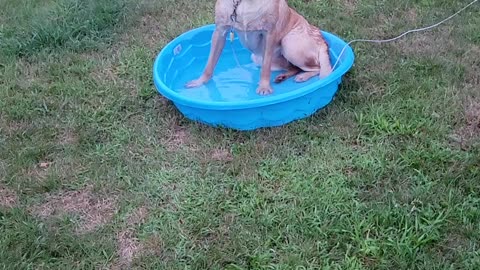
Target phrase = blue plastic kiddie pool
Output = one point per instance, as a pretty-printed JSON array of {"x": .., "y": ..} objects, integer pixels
[{"x": 229, "y": 99}]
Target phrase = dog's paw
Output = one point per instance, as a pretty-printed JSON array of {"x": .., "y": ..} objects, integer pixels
[
  {"x": 195, "y": 83},
  {"x": 280, "y": 78},
  {"x": 264, "y": 90},
  {"x": 302, "y": 78}
]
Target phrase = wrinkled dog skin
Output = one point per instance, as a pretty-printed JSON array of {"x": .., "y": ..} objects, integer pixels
[{"x": 278, "y": 37}]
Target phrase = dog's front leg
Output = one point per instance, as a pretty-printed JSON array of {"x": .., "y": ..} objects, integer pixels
[
  {"x": 265, "y": 87},
  {"x": 218, "y": 43}
]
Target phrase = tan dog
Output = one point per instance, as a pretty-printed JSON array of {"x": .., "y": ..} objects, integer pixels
[{"x": 278, "y": 37}]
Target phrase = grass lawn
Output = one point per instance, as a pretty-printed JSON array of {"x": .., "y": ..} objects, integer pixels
[{"x": 98, "y": 171}]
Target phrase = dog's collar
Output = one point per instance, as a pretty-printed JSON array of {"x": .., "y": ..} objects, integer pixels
[{"x": 236, "y": 3}]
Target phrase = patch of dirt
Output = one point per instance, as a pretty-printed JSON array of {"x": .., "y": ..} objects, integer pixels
[
  {"x": 412, "y": 15},
  {"x": 138, "y": 217},
  {"x": 129, "y": 246},
  {"x": 351, "y": 6},
  {"x": 179, "y": 137},
  {"x": 451, "y": 245},
  {"x": 92, "y": 210},
  {"x": 154, "y": 246},
  {"x": 222, "y": 155},
  {"x": 11, "y": 128},
  {"x": 68, "y": 137},
  {"x": 8, "y": 197},
  {"x": 470, "y": 131},
  {"x": 471, "y": 61}
]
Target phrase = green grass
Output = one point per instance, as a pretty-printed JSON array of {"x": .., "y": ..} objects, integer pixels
[
  {"x": 373, "y": 181},
  {"x": 33, "y": 26}
]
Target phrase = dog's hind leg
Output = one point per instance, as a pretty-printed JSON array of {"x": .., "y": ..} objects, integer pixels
[
  {"x": 291, "y": 71},
  {"x": 305, "y": 48}
]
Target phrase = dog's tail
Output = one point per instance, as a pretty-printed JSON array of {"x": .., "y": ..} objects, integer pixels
[{"x": 324, "y": 60}]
